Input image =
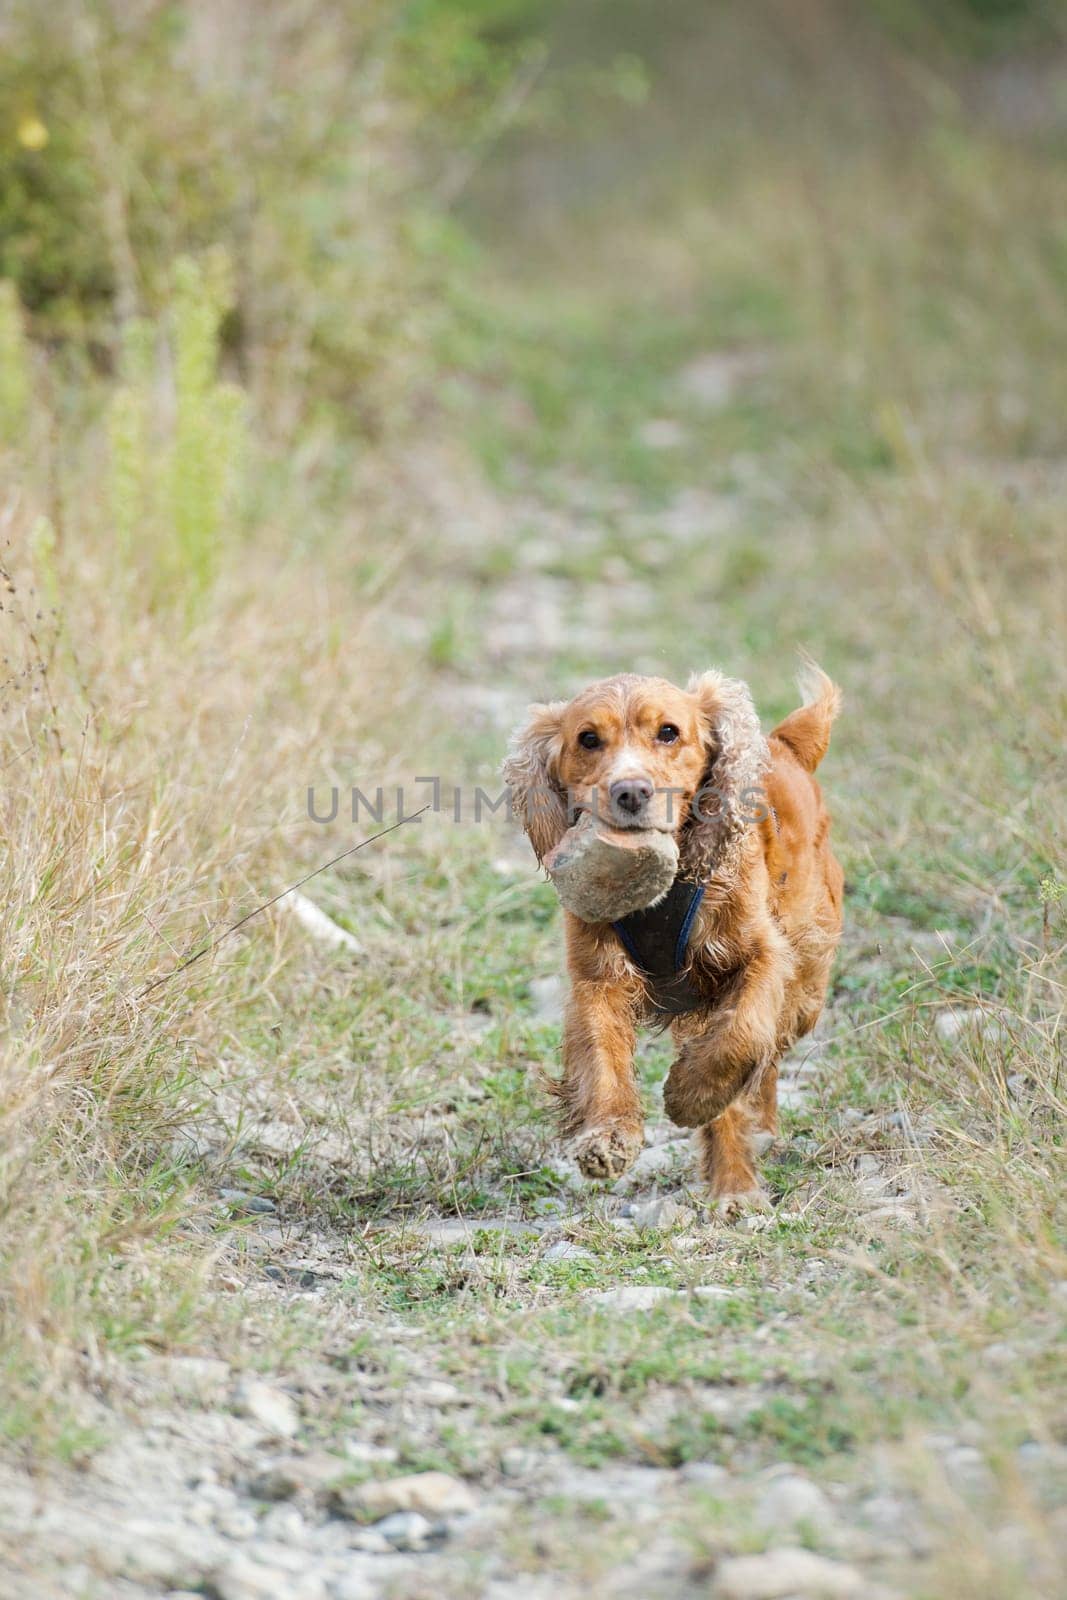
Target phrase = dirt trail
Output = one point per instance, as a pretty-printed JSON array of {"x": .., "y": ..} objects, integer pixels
[{"x": 286, "y": 1481}]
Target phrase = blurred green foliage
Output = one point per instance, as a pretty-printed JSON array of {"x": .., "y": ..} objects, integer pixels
[
  {"x": 14, "y": 366},
  {"x": 321, "y": 146},
  {"x": 175, "y": 469}
]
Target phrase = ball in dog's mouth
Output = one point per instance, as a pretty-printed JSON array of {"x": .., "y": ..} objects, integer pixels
[{"x": 602, "y": 873}]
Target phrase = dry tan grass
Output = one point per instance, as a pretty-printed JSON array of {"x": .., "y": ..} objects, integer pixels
[{"x": 154, "y": 790}]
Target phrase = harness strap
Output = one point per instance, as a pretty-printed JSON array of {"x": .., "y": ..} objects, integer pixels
[{"x": 656, "y": 940}]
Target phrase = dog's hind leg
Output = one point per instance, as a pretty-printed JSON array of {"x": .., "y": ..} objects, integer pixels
[{"x": 727, "y": 1158}]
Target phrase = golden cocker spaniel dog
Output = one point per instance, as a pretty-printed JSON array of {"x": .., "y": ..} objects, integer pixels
[{"x": 737, "y": 958}]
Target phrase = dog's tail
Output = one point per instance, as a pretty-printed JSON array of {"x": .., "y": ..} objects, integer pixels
[{"x": 807, "y": 730}]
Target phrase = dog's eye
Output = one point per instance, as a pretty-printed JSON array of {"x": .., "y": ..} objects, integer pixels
[
  {"x": 667, "y": 734},
  {"x": 589, "y": 740}
]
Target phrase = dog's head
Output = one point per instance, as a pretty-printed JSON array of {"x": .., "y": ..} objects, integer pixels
[{"x": 642, "y": 753}]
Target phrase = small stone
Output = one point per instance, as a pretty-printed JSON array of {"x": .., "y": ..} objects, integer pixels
[
  {"x": 241, "y": 1200},
  {"x": 287, "y": 1476},
  {"x": 364, "y": 1452},
  {"x": 405, "y": 1530},
  {"x": 793, "y": 1503},
  {"x": 895, "y": 1523},
  {"x": 567, "y": 1250},
  {"x": 272, "y": 1408},
  {"x": 435, "y": 1494},
  {"x": 661, "y": 433},
  {"x": 955, "y": 1021},
  {"x": 602, "y": 873},
  {"x": 652, "y": 1162},
  {"x": 966, "y": 1469},
  {"x": 784, "y": 1573},
  {"x": 243, "y": 1578},
  {"x": 371, "y": 1542},
  {"x": 284, "y": 1524},
  {"x": 515, "y": 1462},
  {"x": 635, "y": 1297},
  {"x": 712, "y": 380},
  {"x": 437, "y": 1393},
  {"x": 357, "y": 1585},
  {"x": 236, "y": 1523},
  {"x": 704, "y": 1475},
  {"x": 662, "y": 1213},
  {"x": 156, "y": 1555},
  {"x": 192, "y": 1377},
  {"x": 549, "y": 1205}
]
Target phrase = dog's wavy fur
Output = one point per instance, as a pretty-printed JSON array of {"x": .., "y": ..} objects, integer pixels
[{"x": 752, "y": 828}]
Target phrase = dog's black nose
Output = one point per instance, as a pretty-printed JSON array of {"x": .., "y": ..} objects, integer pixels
[{"x": 631, "y": 794}]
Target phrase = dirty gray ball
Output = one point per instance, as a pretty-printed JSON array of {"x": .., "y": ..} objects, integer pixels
[{"x": 603, "y": 873}]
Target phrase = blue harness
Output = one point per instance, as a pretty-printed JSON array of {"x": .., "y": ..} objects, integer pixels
[{"x": 656, "y": 940}]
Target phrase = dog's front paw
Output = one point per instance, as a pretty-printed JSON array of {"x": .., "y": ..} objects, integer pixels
[
  {"x": 696, "y": 1091},
  {"x": 606, "y": 1153},
  {"x": 690, "y": 1097}
]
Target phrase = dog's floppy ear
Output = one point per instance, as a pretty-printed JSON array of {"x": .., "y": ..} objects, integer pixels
[
  {"x": 732, "y": 796},
  {"x": 530, "y": 773}
]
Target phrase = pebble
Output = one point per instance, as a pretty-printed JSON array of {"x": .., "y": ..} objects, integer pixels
[
  {"x": 661, "y": 433},
  {"x": 286, "y": 1476},
  {"x": 956, "y": 1020},
  {"x": 713, "y": 379},
  {"x": 272, "y": 1408},
  {"x": 895, "y": 1523},
  {"x": 236, "y": 1523},
  {"x": 784, "y": 1573},
  {"x": 436, "y": 1393},
  {"x": 241, "y": 1200},
  {"x": 362, "y": 1450},
  {"x": 284, "y": 1524},
  {"x": 193, "y": 1377},
  {"x": 704, "y": 1475},
  {"x": 665, "y": 1212},
  {"x": 567, "y": 1250},
  {"x": 636, "y": 1297},
  {"x": 966, "y": 1469},
  {"x": 515, "y": 1462},
  {"x": 371, "y": 1542},
  {"x": 242, "y": 1578},
  {"x": 152, "y": 1555},
  {"x": 654, "y": 1160},
  {"x": 549, "y": 1205},
  {"x": 356, "y": 1586},
  {"x": 791, "y": 1502},
  {"x": 405, "y": 1530},
  {"x": 434, "y": 1494}
]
